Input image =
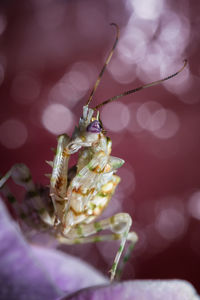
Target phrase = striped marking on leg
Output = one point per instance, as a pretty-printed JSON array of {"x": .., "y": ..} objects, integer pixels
[
  {"x": 79, "y": 230},
  {"x": 98, "y": 227},
  {"x": 133, "y": 238},
  {"x": 90, "y": 239}
]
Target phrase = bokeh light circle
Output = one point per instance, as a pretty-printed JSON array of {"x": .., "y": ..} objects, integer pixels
[
  {"x": 133, "y": 125},
  {"x": 170, "y": 126},
  {"x": 149, "y": 10},
  {"x": 115, "y": 116},
  {"x": 170, "y": 223},
  {"x": 57, "y": 118},
  {"x": 121, "y": 71},
  {"x": 133, "y": 46},
  {"x": 74, "y": 84},
  {"x": 13, "y": 134},
  {"x": 194, "y": 205},
  {"x": 150, "y": 115}
]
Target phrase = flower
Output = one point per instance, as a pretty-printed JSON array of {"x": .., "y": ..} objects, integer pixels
[{"x": 30, "y": 272}]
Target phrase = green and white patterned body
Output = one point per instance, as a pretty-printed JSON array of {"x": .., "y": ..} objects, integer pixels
[
  {"x": 81, "y": 194},
  {"x": 84, "y": 196}
]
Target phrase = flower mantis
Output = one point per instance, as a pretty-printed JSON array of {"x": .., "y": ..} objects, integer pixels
[{"x": 78, "y": 195}]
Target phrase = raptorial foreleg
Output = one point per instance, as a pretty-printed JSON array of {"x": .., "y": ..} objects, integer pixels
[{"x": 59, "y": 177}]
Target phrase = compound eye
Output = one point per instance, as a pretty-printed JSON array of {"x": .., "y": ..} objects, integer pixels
[{"x": 94, "y": 127}]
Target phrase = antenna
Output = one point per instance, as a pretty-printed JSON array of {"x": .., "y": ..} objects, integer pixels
[
  {"x": 105, "y": 64},
  {"x": 141, "y": 87}
]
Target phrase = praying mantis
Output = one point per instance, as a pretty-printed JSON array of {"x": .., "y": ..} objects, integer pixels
[{"x": 78, "y": 195}]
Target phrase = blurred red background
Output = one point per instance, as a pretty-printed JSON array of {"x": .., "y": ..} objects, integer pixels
[{"x": 50, "y": 55}]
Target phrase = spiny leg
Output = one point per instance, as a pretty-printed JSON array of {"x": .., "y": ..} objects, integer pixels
[
  {"x": 132, "y": 237},
  {"x": 18, "y": 210},
  {"x": 59, "y": 177},
  {"x": 125, "y": 236},
  {"x": 21, "y": 176},
  {"x": 96, "y": 238},
  {"x": 119, "y": 224},
  {"x": 28, "y": 218}
]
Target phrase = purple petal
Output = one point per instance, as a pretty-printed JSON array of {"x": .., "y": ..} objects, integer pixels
[
  {"x": 139, "y": 290},
  {"x": 69, "y": 273},
  {"x": 29, "y": 273},
  {"x": 21, "y": 277}
]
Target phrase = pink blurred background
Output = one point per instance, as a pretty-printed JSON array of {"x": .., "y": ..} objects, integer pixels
[{"x": 50, "y": 55}]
